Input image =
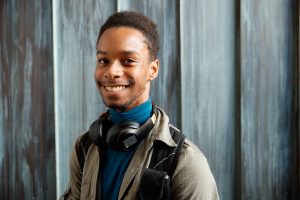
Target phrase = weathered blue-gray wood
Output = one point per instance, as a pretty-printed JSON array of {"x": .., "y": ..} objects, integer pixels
[
  {"x": 165, "y": 90},
  {"x": 297, "y": 105},
  {"x": 208, "y": 84},
  {"x": 77, "y": 102},
  {"x": 267, "y": 65},
  {"x": 27, "y": 146},
  {"x": 297, "y": 108}
]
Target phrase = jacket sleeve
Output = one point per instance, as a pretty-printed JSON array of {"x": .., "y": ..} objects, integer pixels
[
  {"x": 74, "y": 188},
  {"x": 192, "y": 178}
]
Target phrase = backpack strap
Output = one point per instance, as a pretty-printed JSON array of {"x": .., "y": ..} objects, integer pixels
[
  {"x": 165, "y": 158},
  {"x": 179, "y": 138},
  {"x": 82, "y": 148},
  {"x": 156, "y": 180}
]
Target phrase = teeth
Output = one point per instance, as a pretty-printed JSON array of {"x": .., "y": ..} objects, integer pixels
[{"x": 114, "y": 88}]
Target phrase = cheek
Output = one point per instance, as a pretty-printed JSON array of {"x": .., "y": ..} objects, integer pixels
[
  {"x": 145, "y": 72},
  {"x": 141, "y": 76},
  {"x": 97, "y": 74}
]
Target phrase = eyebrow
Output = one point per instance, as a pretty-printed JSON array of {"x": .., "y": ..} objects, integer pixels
[
  {"x": 101, "y": 52},
  {"x": 126, "y": 52}
]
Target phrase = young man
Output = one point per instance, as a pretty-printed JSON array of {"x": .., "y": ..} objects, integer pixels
[{"x": 112, "y": 164}]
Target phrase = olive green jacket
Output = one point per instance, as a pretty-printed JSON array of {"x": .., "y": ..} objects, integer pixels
[{"x": 192, "y": 178}]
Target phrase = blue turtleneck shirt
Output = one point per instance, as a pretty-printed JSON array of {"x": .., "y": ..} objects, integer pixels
[{"x": 115, "y": 161}]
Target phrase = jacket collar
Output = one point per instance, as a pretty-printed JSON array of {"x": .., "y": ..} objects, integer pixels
[{"x": 161, "y": 131}]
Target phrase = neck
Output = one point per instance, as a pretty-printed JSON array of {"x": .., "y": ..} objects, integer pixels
[{"x": 139, "y": 114}]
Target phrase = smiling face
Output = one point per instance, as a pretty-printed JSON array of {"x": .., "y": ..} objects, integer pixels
[{"x": 124, "y": 70}]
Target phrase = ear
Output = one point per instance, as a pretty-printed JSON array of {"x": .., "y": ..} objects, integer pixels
[{"x": 153, "y": 71}]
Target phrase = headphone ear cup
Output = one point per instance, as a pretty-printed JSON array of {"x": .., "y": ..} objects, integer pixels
[{"x": 118, "y": 133}]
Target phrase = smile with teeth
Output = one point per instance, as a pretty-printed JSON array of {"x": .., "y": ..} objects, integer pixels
[{"x": 115, "y": 88}]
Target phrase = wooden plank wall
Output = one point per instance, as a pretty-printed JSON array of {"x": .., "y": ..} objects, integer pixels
[
  {"x": 27, "y": 137},
  {"x": 229, "y": 78}
]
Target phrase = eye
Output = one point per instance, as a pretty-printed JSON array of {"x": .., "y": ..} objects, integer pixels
[
  {"x": 128, "y": 61},
  {"x": 103, "y": 61}
]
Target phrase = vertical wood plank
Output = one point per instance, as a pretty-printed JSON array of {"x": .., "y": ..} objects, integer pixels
[
  {"x": 165, "y": 90},
  {"x": 27, "y": 151},
  {"x": 296, "y": 5},
  {"x": 238, "y": 155},
  {"x": 268, "y": 62},
  {"x": 207, "y": 86},
  {"x": 77, "y": 102},
  {"x": 296, "y": 100}
]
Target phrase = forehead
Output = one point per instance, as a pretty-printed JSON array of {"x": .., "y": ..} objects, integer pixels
[{"x": 119, "y": 38}]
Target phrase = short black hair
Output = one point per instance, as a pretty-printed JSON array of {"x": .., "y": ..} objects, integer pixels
[{"x": 137, "y": 21}]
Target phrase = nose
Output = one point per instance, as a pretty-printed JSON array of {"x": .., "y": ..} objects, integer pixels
[{"x": 115, "y": 70}]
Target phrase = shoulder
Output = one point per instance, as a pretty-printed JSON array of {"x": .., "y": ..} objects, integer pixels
[
  {"x": 189, "y": 148},
  {"x": 193, "y": 177},
  {"x": 81, "y": 148},
  {"x": 191, "y": 157},
  {"x": 83, "y": 144},
  {"x": 82, "y": 139}
]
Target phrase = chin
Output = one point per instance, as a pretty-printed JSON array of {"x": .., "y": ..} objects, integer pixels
[{"x": 120, "y": 106}]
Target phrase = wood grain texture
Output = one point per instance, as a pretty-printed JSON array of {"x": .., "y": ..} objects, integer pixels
[
  {"x": 165, "y": 89},
  {"x": 268, "y": 63},
  {"x": 296, "y": 99},
  {"x": 207, "y": 84},
  {"x": 27, "y": 151},
  {"x": 296, "y": 135},
  {"x": 77, "y": 102}
]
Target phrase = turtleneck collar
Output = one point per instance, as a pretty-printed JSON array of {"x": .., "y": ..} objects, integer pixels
[{"x": 139, "y": 114}]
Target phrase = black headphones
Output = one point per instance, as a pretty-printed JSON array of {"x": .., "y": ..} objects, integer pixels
[{"x": 121, "y": 136}]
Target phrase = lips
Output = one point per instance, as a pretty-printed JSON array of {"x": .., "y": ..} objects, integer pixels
[
  {"x": 113, "y": 86},
  {"x": 117, "y": 88}
]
